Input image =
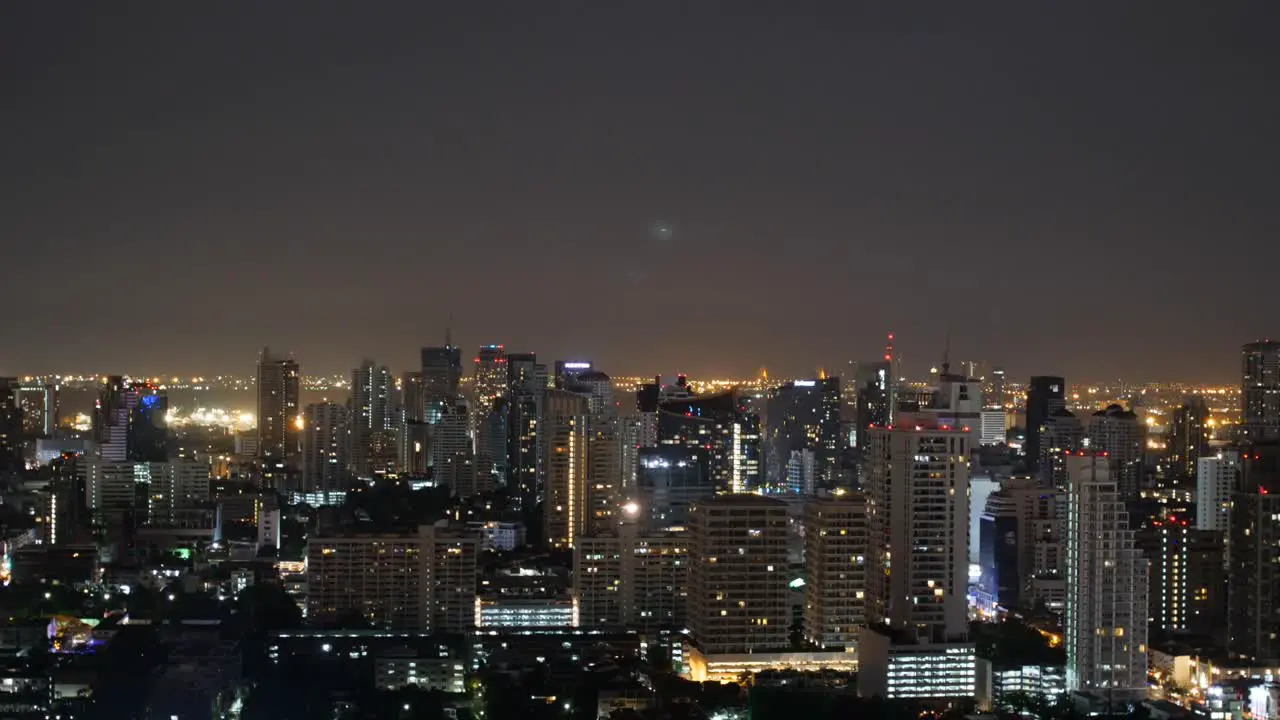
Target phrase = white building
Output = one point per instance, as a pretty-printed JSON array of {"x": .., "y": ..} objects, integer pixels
[
  {"x": 1215, "y": 480},
  {"x": 1106, "y": 586},
  {"x": 992, "y": 430}
]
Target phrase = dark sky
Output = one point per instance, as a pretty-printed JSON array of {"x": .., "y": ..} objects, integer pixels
[{"x": 1085, "y": 188}]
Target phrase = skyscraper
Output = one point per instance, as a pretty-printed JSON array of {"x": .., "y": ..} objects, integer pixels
[
  {"x": 738, "y": 581},
  {"x": 1106, "y": 602},
  {"x": 10, "y": 427},
  {"x": 1188, "y": 436},
  {"x": 372, "y": 413},
  {"x": 803, "y": 415},
  {"x": 1253, "y": 621},
  {"x": 491, "y": 382},
  {"x": 670, "y": 480},
  {"x": 325, "y": 439},
  {"x": 874, "y": 399},
  {"x": 565, "y": 436},
  {"x": 718, "y": 423},
  {"x": 919, "y": 525},
  {"x": 527, "y": 387},
  {"x": 441, "y": 372},
  {"x": 1260, "y": 391},
  {"x": 147, "y": 435},
  {"x": 1217, "y": 476},
  {"x": 1123, "y": 437},
  {"x": 278, "y": 432},
  {"x": 1045, "y": 394},
  {"x": 835, "y": 557}
]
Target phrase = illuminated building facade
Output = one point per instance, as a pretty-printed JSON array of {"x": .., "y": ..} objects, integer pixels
[
  {"x": 1105, "y": 615},
  {"x": 441, "y": 373},
  {"x": 669, "y": 481},
  {"x": 719, "y": 424},
  {"x": 527, "y": 387},
  {"x": 1216, "y": 478},
  {"x": 836, "y": 539},
  {"x": 803, "y": 415},
  {"x": 896, "y": 666},
  {"x": 491, "y": 384},
  {"x": 372, "y": 416},
  {"x": 874, "y": 399},
  {"x": 738, "y": 594},
  {"x": 918, "y": 494},
  {"x": 279, "y": 437},
  {"x": 1253, "y": 621},
  {"x": 325, "y": 439},
  {"x": 564, "y": 434},
  {"x": 11, "y": 441}
]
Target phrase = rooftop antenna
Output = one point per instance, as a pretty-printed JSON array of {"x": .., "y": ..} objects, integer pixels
[{"x": 448, "y": 332}]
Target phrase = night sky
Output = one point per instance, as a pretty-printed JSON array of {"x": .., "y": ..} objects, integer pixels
[{"x": 1085, "y": 188}]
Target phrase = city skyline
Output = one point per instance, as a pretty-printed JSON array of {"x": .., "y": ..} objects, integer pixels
[{"x": 673, "y": 187}]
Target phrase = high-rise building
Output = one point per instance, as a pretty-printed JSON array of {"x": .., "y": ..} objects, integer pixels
[
  {"x": 1168, "y": 586},
  {"x": 567, "y": 371},
  {"x": 491, "y": 381},
  {"x": 1217, "y": 476},
  {"x": 738, "y": 581},
  {"x": 719, "y": 424},
  {"x": 441, "y": 373},
  {"x": 627, "y": 578},
  {"x": 835, "y": 558},
  {"x": 1188, "y": 436},
  {"x": 147, "y": 435},
  {"x": 1123, "y": 437},
  {"x": 1060, "y": 433},
  {"x": 1260, "y": 391},
  {"x": 421, "y": 581},
  {"x": 565, "y": 438},
  {"x": 492, "y": 440},
  {"x": 1045, "y": 394},
  {"x": 670, "y": 480},
  {"x": 450, "y": 434},
  {"x": 1106, "y": 601},
  {"x": 874, "y": 399},
  {"x": 1253, "y": 621},
  {"x": 372, "y": 413},
  {"x": 996, "y": 398},
  {"x": 279, "y": 436},
  {"x": 919, "y": 521},
  {"x": 527, "y": 387},
  {"x": 11, "y": 441},
  {"x": 325, "y": 439},
  {"x": 803, "y": 415}
]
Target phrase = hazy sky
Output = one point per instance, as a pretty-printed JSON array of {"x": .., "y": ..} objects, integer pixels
[{"x": 1083, "y": 188}]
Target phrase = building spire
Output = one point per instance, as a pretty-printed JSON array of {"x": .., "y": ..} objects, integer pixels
[
  {"x": 946, "y": 355},
  {"x": 448, "y": 332}
]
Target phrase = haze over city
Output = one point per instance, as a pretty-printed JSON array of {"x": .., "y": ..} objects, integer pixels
[{"x": 661, "y": 187}]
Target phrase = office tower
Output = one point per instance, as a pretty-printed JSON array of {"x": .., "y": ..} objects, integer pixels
[
  {"x": 491, "y": 382},
  {"x": 450, "y": 434},
  {"x": 325, "y": 439},
  {"x": 372, "y": 413},
  {"x": 1188, "y": 436},
  {"x": 491, "y": 439},
  {"x": 670, "y": 480},
  {"x": 800, "y": 476},
  {"x": 1122, "y": 436},
  {"x": 441, "y": 372},
  {"x": 566, "y": 371},
  {"x": 177, "y": 485},
  {"x": 996, "y": 399},
  {"x": 918, "y": 491},
  {"x": 147, "y": 435},
  {"x": 1106, "y": 602},
  {"x": 993, "y": 427},
  {"x": 718, "y": 423},
  {"x": 835, "y": 558},
  {"x": 738, "y": 581},
  {"x": 11, "y": 441},
  {"x": 278, "y": 433},
  {"x": 1217, "y": 476},
  {"x": 604, "y": 473},
  {"x": 1253, "y": 621},
  {"x": 1260, "y": 391},
  {"x": 1045, "y": 394},
  {"x": 527, "y": 387},
  {"x": 1168, "y": 597},
  {"x": 419, "y": 581},
  {"x": 565, "y": 436},
  {"x": 999, "y": 582},
  {"x": 803, "y": 415},
  {"x": 598, "y": 579},
  {"x": 1060, "y": 433},
  {"x": 412, "y": 401},
  {"x": 106, "y": 409},
  {"x": 875, "y": 399}
]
